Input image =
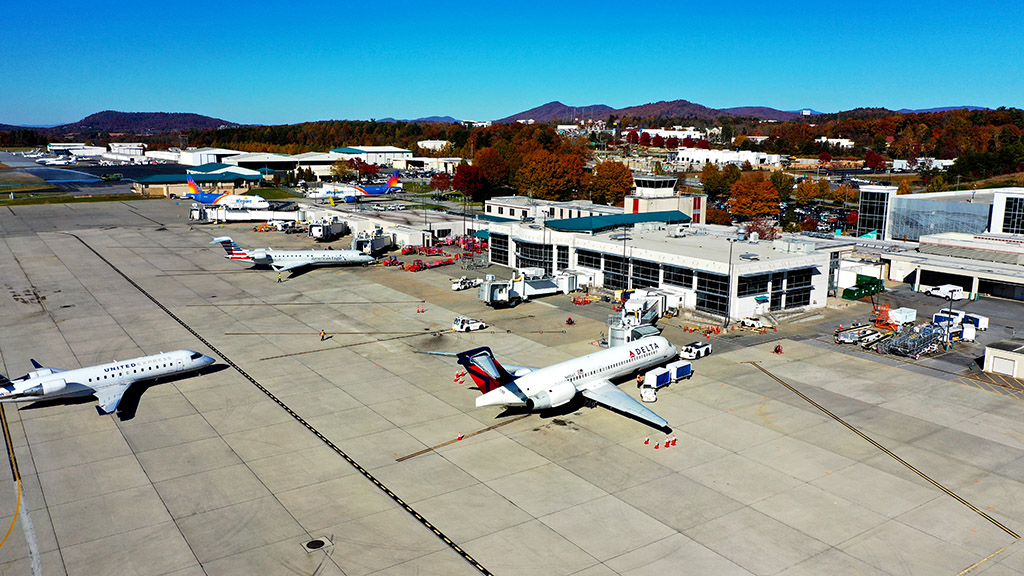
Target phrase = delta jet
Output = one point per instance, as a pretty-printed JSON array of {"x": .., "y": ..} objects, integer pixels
[
  {"x": 284, "y": 260},
  {"x": 351, "y": 193},
  {"x": 229, "y": 201},
  {"x": 590, "y": 375},
  {"x": 107, "y": 382}
]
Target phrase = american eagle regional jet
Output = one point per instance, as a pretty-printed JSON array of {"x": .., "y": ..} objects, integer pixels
[
  {"x": 107, "y": 381},
  {"x": 553, "y": 386},
  {"x": 284, "y": 260}
]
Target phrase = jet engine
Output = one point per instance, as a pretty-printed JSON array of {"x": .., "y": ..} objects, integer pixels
[
  {"x": 259, "y": 256},
  {"x": 556, "y": 395},
  {"x": 45, "y": 388}
]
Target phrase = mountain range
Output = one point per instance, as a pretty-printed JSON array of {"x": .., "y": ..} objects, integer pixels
[{"x": 143, "y": 123}]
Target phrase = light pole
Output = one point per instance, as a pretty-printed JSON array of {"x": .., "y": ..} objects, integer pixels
[
  {"x": 949, "y": 323},
  {"x": 728, "y": 287}
]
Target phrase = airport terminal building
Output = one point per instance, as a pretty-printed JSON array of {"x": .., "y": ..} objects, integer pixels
[{"x": 712, "y": 271}]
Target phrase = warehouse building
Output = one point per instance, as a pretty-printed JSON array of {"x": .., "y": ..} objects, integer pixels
[
  {"x": 1005, "y": 357},
  {"x": 520, "y": 207},
  {"x": 981, "y": 264},
  {"x": 263, "y": 161},
  {"x": 177, "y": 184},
  {"x": 707, "y": 267},
  {"x": 200, "y": 156},
  {"x": 379, "y": 155}
]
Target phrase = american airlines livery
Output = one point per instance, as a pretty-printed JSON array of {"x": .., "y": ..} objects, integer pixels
[
  {"x": 107, "y": 381},
  {"x": 284, "y": 260},
  {"x": 350, "y": 193},
  {"x": 590, "y": 375},
  {"x": 229, "y": 201}
]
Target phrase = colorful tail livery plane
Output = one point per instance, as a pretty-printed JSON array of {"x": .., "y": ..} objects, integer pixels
[
  {"x": 590, "y": 375},
  {"x": 107, "y": 382},
  {"x": 284, "y": 260},
  {"x": 350, "y": 193},
  {"x": 230, "y": 201}
]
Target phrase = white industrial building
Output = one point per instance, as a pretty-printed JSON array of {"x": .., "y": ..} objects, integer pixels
[
  {"x": 128, "y": 148},
  {"x": 1005, "y": 357},
  {"x": 263, "y": 161},
  {"x": 446, "y": 165},
  {"x": 519, "y": 207},
  {"x": 435, "y": 145},
  {"x": 921, "y": 164},
  {"x": 711, "y": 271},
  {"x": 200, "y": 156},
  {"x": 697, "y": 157},
  {"x": 319, "y": 162},
  {"x": 379, "y": 155},
  {"x": 843, "y": 143}
]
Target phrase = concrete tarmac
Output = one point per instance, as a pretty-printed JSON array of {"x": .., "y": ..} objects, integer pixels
[{"x": 289, "y": 439}]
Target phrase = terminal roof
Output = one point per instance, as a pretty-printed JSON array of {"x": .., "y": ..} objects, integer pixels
[{"x": 611, "y": 221}]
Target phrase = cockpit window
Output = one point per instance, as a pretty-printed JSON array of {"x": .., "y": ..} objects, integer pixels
[{"x": 196, "y": 356}]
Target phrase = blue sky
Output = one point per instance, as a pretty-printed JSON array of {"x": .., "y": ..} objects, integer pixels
[{"x": 273, "y": 62}]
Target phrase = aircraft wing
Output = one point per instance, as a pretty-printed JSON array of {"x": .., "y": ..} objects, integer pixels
[
  {"x": 290, "y": 265},
  {"x": 610, "y": 396},
  {"x": 109, "y": 397}
]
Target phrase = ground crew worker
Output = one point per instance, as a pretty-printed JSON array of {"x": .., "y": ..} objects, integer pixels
[
  {"x": 639, "y": 380},
  {"x": 323, "y": 335},
  {"x": 278, "y": 277}
]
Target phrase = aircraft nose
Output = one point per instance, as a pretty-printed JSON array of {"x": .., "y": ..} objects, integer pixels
[{"x": 206, "y": 360}]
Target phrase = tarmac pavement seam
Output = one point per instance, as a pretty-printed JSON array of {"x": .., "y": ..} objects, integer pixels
[{"x": 426, "y": 523}]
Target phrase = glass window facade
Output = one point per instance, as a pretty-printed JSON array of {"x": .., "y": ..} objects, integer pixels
[
  {"x": 1013, "y": 216},
  {"x": 563, "y": 257},
  {"x": 913, "y": 217},
  {"x": 645, "y": 274},
  {"x": 588, "y": 259},
  {"x": 712, "y": 292},
  {"x": 799, "y": 278},
  {"x": 753, "y": 285},
  {"x": 530, "y": 255},
  {"x": 678, "y": 276},
  {"x": 499, "y": 249},
  {"x": 873, "y": 212},
  {"x": 616, "y": 272},
  {"x": 798, "y": 298}
]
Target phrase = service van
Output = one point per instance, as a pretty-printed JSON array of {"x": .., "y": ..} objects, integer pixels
[{"x": 951, "y": 291}]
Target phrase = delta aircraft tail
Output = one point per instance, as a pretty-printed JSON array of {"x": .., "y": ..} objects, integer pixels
[
  {"x": 234, "y": 251},
  {"x": 484, "y": 369}
]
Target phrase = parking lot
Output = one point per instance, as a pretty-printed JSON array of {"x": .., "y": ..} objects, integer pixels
[{"x": 355, "y": 440}]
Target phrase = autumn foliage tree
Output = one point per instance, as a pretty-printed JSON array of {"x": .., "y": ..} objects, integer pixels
[
  {"x": 843, "y": 193},
  {"x": 824, "y": 158},
  {"x": 717, "y": 216},
  {"x": 469, "y": 181},
  {"x": 551, "y": 176},
  {"x": 492, "y": 166},
  {"x": 783, "y": 184},
  {"x": 713, "y": 181},
  {"x": 806, "y": 192},
  {"x": 645, "y": 139},
  {"x": 363, "y": 168},
  {"x": 609, "y": 182},
  {"x": 903, "y": 188},
  {"x": 874, "y": 160},
  {"x": 764, "y": 227},
  {"x": 753, "y": 196},
  {"x": 441, "y": 182}
]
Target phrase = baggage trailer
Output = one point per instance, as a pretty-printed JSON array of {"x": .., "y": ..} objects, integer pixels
[
  {"x": 980, "y": 322},
  {"x": 679, "y": 370}
]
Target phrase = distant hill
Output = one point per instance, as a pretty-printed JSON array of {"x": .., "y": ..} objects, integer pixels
[
  {"x": 762, "y": 112},
  {"x": 556, "y": 111},
  {"x": 425, "y": 120},
  {"x": 940, "y": 109},
  {"x": 142, "y": 123}
]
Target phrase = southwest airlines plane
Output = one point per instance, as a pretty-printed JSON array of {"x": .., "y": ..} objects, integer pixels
[
  {"x": 590, "y": 376},
  {"x": 229, "y": 201},
  {"x": 107, "y": 382}
]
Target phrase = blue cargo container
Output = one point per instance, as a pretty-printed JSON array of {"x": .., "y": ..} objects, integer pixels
[
  {"x": 657, "y": 378},
  {"x": 679, "y": 370}
]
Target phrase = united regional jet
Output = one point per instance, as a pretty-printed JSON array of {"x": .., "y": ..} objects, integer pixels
[
  {"x": 229, "y": 201},
  {"x": 107, "y": 381},
  {"x": 590, "y": 375},
  {"x": 284, "y": 260}
]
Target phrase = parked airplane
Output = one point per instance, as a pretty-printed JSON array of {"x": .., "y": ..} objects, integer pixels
[
  {"x": 230, "y": 201},
  {"x": 62, "y": 161},
  {"x": 283, "y": 260},
  {"x": 553, "y": 386},
  {"x": 349, "y": 193},
  {"x": 107, "y": 381}
]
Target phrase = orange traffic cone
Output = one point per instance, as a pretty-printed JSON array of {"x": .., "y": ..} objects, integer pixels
[
  {"x": 656, "y": 445},
  {"x": 647, "y": 440},
  {"x": 668, "y": 442},
  {"x": 673, "y": 440}
]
